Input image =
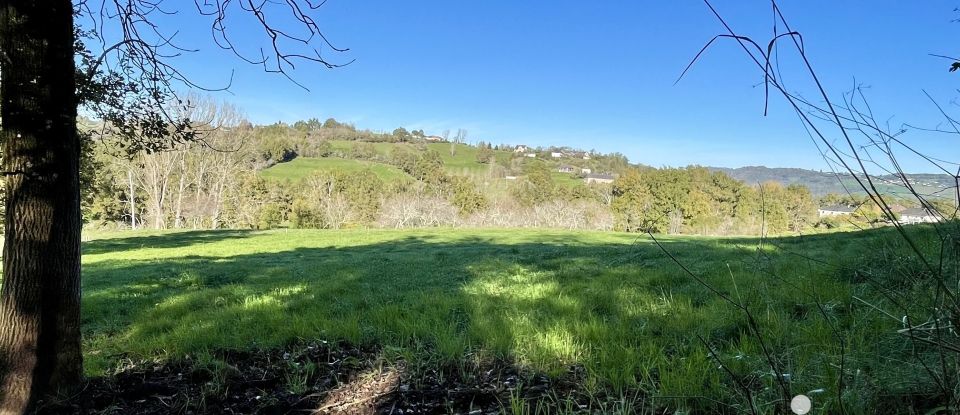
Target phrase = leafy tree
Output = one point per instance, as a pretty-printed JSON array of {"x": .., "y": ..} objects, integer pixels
[
  {"x": 773, "y": 211},
  {"x": 308, "y": 126},
  {"x": 41, "y": 91},
  {"x": 304, "y": 215},
  {"x": 800, "y": 207},
  {"x": 632, "y": 203},
  {"x": 402, "y": 135},
  {"x": 537, "y": 186},
  {"x": 484, "y": 153},
  {"x": 404, "y": 159},
  {"x": 270, "y": 216},
  {"x": 316, "y": 148},
  {"x": 331, "y": 199},
  {"x": 466, "y": 197},
  {"x": 363, "y": 151},
  {"x": 429, "y": 168},
  {"x": 363, "y": 191},
  {"x": 331, "y": 123}
]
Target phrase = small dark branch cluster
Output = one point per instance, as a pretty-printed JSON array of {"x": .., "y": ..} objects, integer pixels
[
  {"x": 127, "y": 77},
  {"x": 288, "y": 45}
]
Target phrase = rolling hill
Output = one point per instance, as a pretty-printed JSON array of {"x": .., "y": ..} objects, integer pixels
[{"x": 821, "y": 183}]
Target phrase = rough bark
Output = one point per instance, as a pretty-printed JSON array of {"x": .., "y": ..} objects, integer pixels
[{"x": 40, "y": 297}]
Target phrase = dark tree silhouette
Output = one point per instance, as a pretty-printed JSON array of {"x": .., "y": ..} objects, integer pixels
[{"x": 47, "y": 72}]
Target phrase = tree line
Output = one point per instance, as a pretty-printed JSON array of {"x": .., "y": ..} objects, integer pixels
[{"x": 214, "y": 182}]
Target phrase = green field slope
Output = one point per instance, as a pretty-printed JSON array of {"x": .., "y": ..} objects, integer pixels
[
  {"x": 611, "y": 304},
  {"x": 301, "y": 167},
  {"x": 463, "y": 161}
]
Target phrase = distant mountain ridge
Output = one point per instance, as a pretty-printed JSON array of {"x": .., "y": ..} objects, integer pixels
[{"x": 821, "y": 183}]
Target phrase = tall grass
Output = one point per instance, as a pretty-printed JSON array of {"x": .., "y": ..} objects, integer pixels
[{"x": 608, "y": 304}]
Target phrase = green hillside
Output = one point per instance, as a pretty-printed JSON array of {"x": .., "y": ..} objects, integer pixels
[
  {"x": 463, "y": 161},
  {"x": 464, "y": 158},
  {"x": 299, "y": 168}
]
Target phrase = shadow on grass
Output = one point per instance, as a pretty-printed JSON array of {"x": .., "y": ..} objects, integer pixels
[
  {"x": 163, "y": 240},
  {"x": 555, "y": 303}
]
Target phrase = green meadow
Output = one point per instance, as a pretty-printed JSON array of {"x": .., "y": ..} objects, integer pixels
[
  {"x": 614, "y": 305},
  {"x": 462, "y": 161},
  {"x": 301, "y": 167}
]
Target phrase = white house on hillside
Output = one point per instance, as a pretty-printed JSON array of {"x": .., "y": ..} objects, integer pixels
[
  {"x": 918, "y": 215},
  {"x": 531, "y": 155},
  {"x": 556, "y": 155},
  {"x": 520, "y": 149},
  {"x": 835, "y": 210},
  {"x": 599, "y": 178}
]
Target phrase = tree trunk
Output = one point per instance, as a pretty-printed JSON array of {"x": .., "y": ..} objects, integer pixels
[
  {"x": 181, "y": 188},
  {"x": 133, "y": 199},
  {"x": 40, "y": 298}
]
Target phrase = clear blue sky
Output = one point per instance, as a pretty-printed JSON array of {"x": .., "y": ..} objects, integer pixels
[{"x": 599, "y": 74}]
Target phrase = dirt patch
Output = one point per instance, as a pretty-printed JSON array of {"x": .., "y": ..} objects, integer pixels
[{"x": 319, "y": 378}]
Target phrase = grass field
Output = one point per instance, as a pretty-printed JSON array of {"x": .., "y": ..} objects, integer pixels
[
  {"x": 610, "y": 303},
  {"x": 301, "y": 167},
  {"x": 463, "y": 161}
]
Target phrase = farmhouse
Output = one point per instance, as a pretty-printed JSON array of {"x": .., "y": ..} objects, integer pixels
[
  {"x": 556, "y": 155},
  {"x": 599, "y": 178},
  {"x": 566, "y": 168},
  {"x": 918, "y": 215},
  {"x": 531, "y": 155},
  {"x": 835, "y": 210},
  {"x": 586, "y": 170},
  {"x": 520, "y": 149},
  {"x": 434, "y": 138}
]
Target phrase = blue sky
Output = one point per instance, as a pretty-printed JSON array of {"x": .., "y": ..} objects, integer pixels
[{"x": 599, "y": 75}]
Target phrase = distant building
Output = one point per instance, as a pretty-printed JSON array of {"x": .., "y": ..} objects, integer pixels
[
  {"x": 511, "y": 177},
  {"x": 566, "y": 169},
  {"x": 520, "y": 149},
  {"x": 918, "y": 215},
  {"x": 586, "y": 156},
  {"x": 586, "y": 171},
  {"x": 599, "y": 178},
  {"x": 556, "y": 155},
  {"x": 835, "y": 210},
  {"x": 895, "y": 208},
  {"x": 531, "y": 155},
  {"x": 434, "y": 138}
]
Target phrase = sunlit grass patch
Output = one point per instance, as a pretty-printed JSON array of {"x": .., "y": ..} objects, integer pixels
[{"x": 610, "y": 305}]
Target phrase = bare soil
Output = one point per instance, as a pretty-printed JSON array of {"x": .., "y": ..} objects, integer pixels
[{"x": 317, "y": 378}]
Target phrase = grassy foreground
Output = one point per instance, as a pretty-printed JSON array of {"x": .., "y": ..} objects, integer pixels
[{"x": 612, "y": 304}]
